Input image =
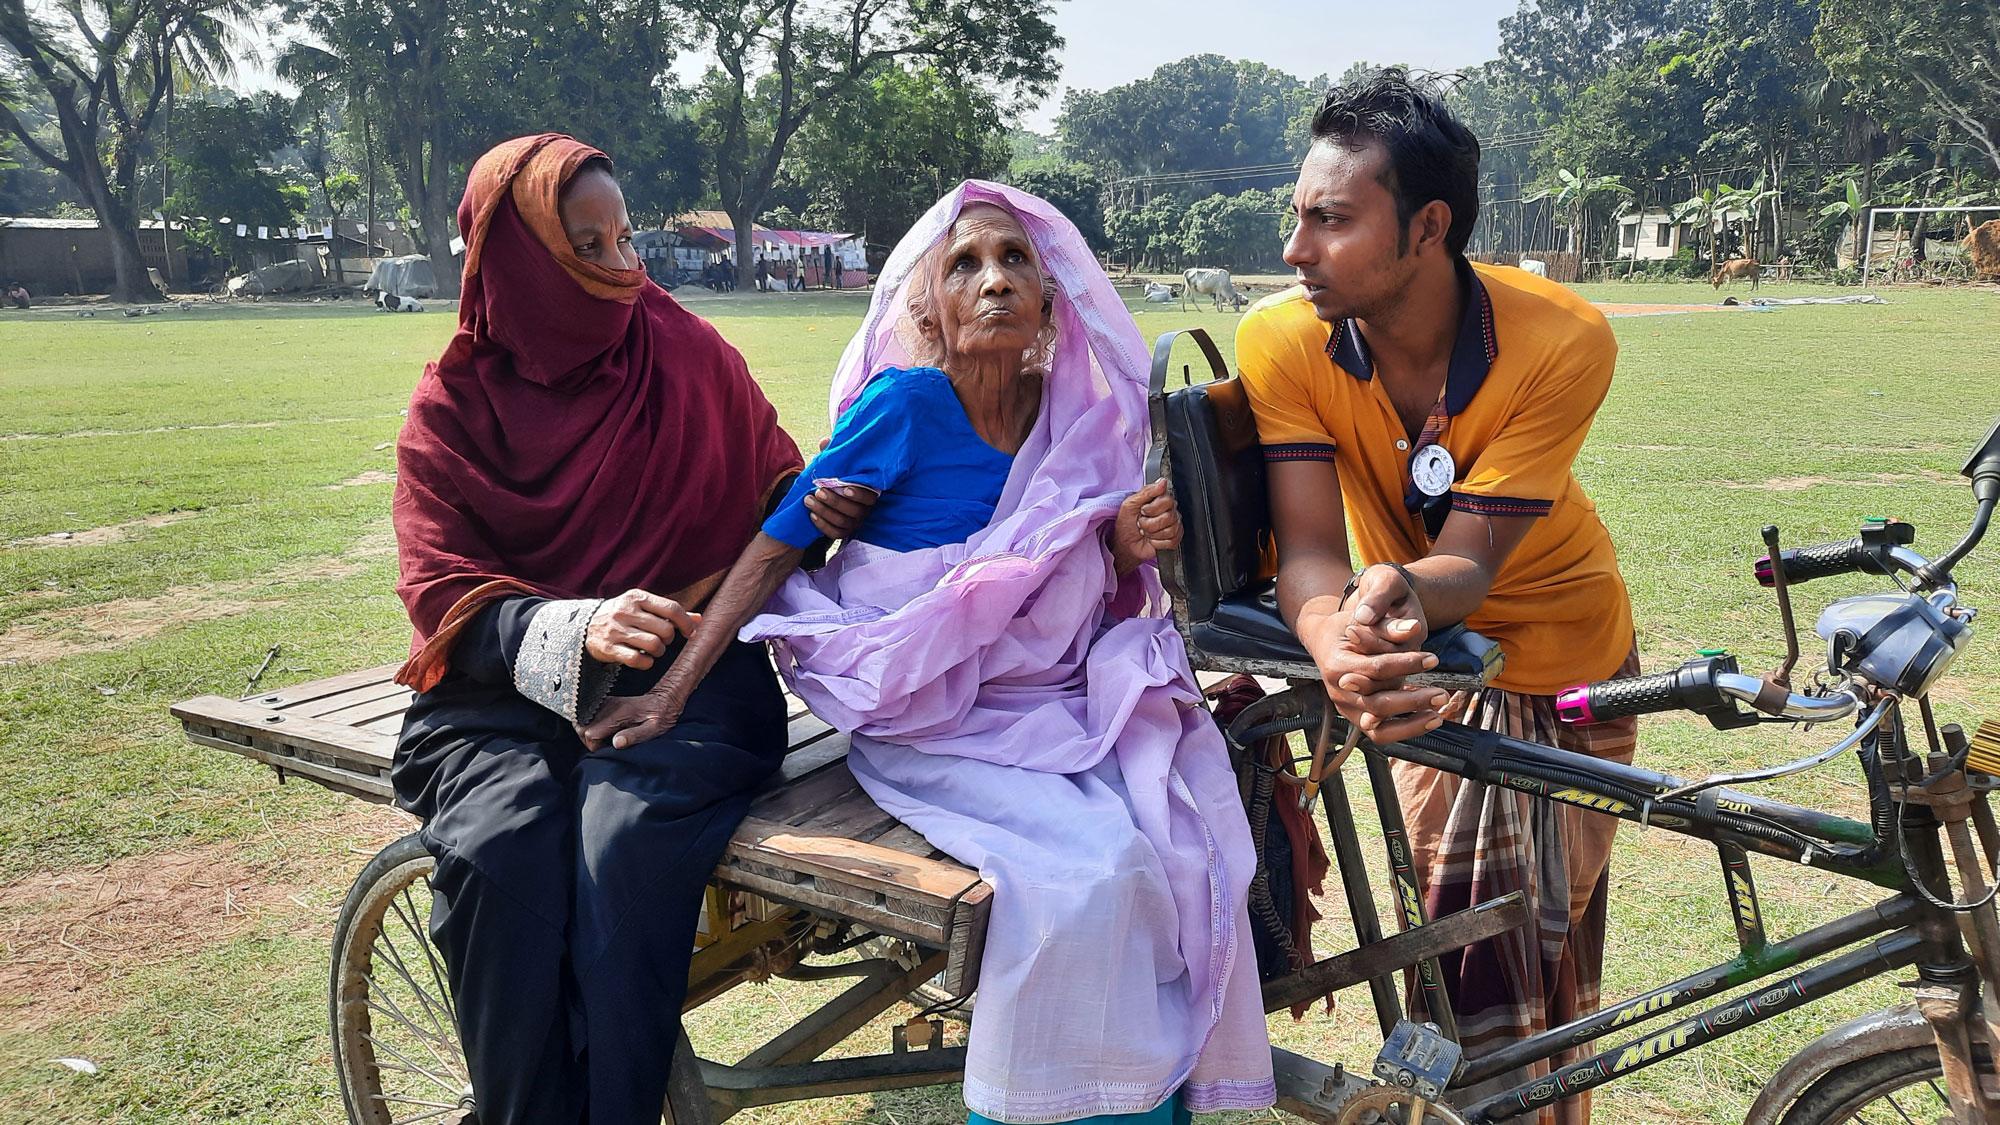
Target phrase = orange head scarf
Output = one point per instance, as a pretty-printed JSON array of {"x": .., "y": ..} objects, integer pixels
[{"x": 582, "y": 434}]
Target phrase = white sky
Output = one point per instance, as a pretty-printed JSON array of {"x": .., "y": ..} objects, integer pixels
[{"x": 1111, "y": 42}]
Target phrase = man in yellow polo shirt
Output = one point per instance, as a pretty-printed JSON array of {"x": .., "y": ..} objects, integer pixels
[{"x": 1435, "y": 407}]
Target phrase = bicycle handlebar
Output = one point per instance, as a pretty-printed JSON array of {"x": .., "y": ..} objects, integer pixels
[{"x": 1710, "y": 686}]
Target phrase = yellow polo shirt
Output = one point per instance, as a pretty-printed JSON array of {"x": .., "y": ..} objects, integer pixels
[{"x": 1530, "y": 367}]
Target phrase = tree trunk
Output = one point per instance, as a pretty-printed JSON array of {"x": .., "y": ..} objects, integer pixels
[
  {"x": 130, "y": 284},
  {"x": 741, "y": 219}
]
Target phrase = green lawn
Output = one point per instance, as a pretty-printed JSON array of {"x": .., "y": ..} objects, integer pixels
[{"x": 221, "y": 475}]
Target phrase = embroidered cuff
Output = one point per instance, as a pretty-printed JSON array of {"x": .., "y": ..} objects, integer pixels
[
  {"x": 1499, "y": 505},
  {"x": 552, "y": 669},
  {"x": 1299, "y": 451}
]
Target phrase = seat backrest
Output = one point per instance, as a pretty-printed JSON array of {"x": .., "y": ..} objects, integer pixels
[{"x": 1205, "y": 443}]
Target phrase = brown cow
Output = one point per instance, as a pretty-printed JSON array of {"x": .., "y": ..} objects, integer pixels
[
  {"x": 1736, "y": 269},
  {"x": 1982, "y": 247}
]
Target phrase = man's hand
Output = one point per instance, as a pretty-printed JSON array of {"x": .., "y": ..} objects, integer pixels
[
  {"x": 635, "y": 628},
  {"x": 1149, "y": 521},
  {"x": 1364, "y": 651},
  {"x": 628, "y": 720},
  {"x": 838, "y": 512}
]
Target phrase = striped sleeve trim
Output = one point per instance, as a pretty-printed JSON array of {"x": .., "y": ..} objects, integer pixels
[
  {"x": 1299, "y": 451},
  {"x": 1499, "y": 505}
]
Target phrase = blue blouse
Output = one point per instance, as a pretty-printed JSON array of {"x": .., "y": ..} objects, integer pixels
[{"x": 908, "y": 437}]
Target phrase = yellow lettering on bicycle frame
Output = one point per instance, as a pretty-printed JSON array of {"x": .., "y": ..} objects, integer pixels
[
  {"x": 1589, "y": 801},
  {"x": 1644, "y": 1008},
  {"x": 1413, "y": 907},
  {"x": 1666, "y": 1042},
  {"x": 1746, "y": 905}
]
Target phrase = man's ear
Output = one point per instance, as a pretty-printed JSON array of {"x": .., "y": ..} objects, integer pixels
[{"x": 1431, "y": 224}]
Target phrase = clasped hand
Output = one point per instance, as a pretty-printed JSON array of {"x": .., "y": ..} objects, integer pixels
[{"x": 1367, "y": 648}]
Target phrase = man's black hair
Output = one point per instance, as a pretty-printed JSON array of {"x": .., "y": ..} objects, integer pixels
[{"x": 1432, "y": 155}]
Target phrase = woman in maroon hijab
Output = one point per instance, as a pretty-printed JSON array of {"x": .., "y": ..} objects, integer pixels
[{"x": 577, "y": 471}]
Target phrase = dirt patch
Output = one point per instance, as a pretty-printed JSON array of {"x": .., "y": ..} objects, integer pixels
[
  {"x": 372, "y": 476},
  {"x": 1870, "y": 480},
  {"x": 99, "y": 536},
  {"x": 1632, "y": 308},
  {"x": 55, "y": 634},
  {"x": 65, "y": 936}
]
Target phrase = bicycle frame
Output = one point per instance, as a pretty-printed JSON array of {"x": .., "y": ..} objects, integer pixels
[{"x": 1896, "y": 933}]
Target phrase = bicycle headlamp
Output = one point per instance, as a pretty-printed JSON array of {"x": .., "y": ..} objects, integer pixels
[{"x": 1898, "y": 642}]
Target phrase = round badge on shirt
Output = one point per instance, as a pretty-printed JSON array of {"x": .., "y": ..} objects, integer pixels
[{"x": 1432, "y": 470}]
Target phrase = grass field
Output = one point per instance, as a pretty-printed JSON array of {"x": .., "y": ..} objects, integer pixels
[{"x": 181, "y": 493}]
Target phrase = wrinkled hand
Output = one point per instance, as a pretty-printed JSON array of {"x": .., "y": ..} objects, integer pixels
[
  {"x": 1365, "y": 651},
  {"x": 838, "y": 512},
  {"x": 628, "y": 720},
  {"x": 635, "y": 628},
  {"x": 1149, "y": 521}
]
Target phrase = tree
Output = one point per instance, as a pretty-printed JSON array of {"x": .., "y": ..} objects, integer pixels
[
  {"x": 217, "y": 168},
  {"x": 1199, "y": 113},
  {"x": 1849, "y": 211},
  {"x": 1238, "y": 232},
  {"x": 1076, "y": 192},
  {"x": 399, "y": 58},
  {"x": 106, "y": 68},
  {"x": 1573, "y": 192},
  {"x": 1935, "y": 58},
  {"x": 779, "y": 62},
  {"x": 875, "y": 159}
]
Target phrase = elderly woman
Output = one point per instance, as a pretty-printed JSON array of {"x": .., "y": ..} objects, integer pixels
[
  {"x": 995, "y": 642},
  {"x": 576, "y": 472}
]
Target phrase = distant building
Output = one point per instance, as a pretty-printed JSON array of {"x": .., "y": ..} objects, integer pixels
[
  {"x": 71, "y": 256},
  {"x": 785, "y": 250},
  {"x": 1652, "y": 236}
]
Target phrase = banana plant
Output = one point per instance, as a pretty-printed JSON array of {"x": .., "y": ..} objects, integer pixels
[{"x": 1573, "y": 192}]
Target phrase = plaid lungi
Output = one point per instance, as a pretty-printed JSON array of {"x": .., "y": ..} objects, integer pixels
[{"x": 1475, "y": 842}]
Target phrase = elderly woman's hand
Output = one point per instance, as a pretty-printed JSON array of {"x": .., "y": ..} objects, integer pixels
[
  {"x": 837, "y": 511},
  {"x": 628, "y": 720},
  {"x": 1148, "y": 522},
  {"x": 635, "y": 628}
]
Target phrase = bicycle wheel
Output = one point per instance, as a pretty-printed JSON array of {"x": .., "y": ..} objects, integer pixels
[
  {"x": 1897, "y": 1087},
  {"x": 395, "y": 1033}
]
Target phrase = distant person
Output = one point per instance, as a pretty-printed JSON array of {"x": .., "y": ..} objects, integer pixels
[
  {"x": 763, "y": 275},
  {"x": 576, "y": 472},
  {"x": 829, "y": 268},
  {"x": 17, "y": 295}
]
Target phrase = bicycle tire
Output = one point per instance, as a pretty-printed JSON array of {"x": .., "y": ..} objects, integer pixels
[
  {"x": 365, "y": 934},
  {"x": 1843, "y": 1092}
]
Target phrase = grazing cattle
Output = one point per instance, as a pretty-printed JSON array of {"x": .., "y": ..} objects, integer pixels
[
  {"x": 1159, "y": 293},
  {"x": 1736, "y": 269},
  {"x": 1535, "y": 266},
  {"x": 1212, "y": 283}
]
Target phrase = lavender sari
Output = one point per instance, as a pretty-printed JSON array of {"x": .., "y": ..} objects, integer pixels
[{"x": 1034, "y": 717}]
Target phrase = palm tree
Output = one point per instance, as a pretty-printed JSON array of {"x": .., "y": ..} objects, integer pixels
[
  {"x": 1573, "y": 192},
  {"x": 1700, "y": 209}
]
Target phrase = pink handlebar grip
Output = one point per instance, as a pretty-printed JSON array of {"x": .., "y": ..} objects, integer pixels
[{"x": 1573, "y": 705}]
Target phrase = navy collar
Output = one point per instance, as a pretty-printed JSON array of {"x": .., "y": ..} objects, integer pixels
[{"x": 1472, "y": 355}]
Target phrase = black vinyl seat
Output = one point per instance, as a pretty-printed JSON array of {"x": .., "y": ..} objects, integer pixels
[{"x": 1205, "y": 443}]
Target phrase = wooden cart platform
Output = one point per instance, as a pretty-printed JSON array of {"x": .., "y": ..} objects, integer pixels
[{"x": 813, "y": 840}]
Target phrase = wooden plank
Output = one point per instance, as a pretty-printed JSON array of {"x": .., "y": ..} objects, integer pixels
[
  {"x": 369, "y": 750},
  {"x": 905, "y": 839},
  {"x": 966, "y": 944},
  {"x": 365, "y": 786},
  {"x": 325, "y": 706},
  {"x": 803, "y": 729},
  {"x": 854, "y": 816},
  {"x": 320, "y": 689},
  {"x": 798, "y": 799},
  {"x": 391, "y": 725},
  {"x": 865, "y": 865},
  {"x": 361, "y": 714},
  {"x": 804, "y": 762}
]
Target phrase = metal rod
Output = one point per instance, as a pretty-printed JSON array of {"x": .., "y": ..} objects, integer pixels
[
  {"x": 1408, "y": 886},
  {"x": 1781, "y": 583},
  {"x": 1360, "y": 896}
]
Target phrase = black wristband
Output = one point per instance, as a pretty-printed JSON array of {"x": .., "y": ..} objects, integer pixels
[{"x": 1354, "y": 583}]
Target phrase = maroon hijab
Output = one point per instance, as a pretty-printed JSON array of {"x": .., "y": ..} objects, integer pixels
[{"x": 582, "y": 435}]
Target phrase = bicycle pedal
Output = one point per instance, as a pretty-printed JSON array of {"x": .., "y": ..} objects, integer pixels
[{"x": 1416, "y": 1057}]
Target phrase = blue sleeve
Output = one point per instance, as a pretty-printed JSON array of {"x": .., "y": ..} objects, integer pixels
[{"x": 870, "y": 445}]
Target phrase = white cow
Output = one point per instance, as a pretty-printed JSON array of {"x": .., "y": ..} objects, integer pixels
[
  {"x": 1159, "y": 293},
  {"x": 396, "y": 302},
  {"x": 1215, "y": 283},
  {"x": 1535, "y": 266}
]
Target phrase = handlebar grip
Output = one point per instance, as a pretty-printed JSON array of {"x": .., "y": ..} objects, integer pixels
[
  {"x": 1615, "y": 699},
  {"x": 1803, "y": 564}
]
